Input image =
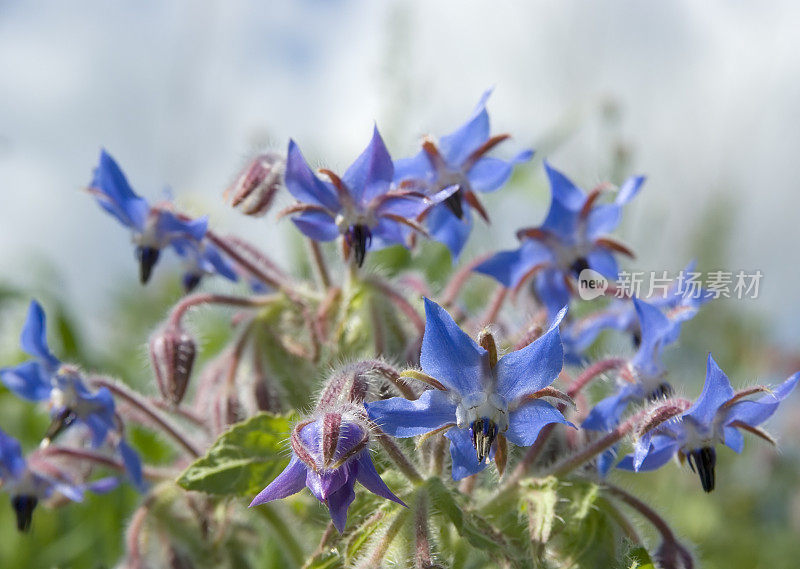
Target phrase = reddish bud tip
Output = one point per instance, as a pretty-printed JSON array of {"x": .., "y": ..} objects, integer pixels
[{"x": 254, "y": 189}]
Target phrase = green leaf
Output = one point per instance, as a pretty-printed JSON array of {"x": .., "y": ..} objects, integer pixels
[
  {"x": 640, "y": 559},
  {"x": 326, "y": 560},
  {"x": 244, "y": 459}
]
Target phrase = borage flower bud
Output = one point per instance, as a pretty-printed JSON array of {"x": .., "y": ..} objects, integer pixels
[
  {"x": 254, "y": 189},
  {"x": 172, "y": 351},
  {"x": 330, "y": 452}
]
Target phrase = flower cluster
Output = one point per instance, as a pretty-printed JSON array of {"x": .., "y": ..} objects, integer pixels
[{"x": 427, "y": 380}]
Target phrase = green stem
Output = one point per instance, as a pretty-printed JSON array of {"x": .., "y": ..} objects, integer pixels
[{"x": 286, "y": 538}]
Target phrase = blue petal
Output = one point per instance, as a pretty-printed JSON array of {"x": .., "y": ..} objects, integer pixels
[
  {"x": 603, "y": 219},
  {"x": 532, "y": 368},
  {"x": 170, "y": 226},
  {"x": 133, "y": 464},
  {"x": 388, "y": 232},
  {"x": 450, "y": 355},
  {"x": 465, "y": 459},
  {"x": 404, "y": 206},
  {"x": 509, "y": 267},
  {"x": 103, "y": 485},
  {"x": 317, "y": 225},
  {"x": 28, "y": 381},
  {"x": 371, "y": 173},
  {"x": 214, "y": 262},
  {"x": 716, "y": 391},
  {"x": 417, "y": 167},
  {"x": 339, "y": 502},
  {"x": 567, "y": 201},
  {"x": 457, "y": 146},
  {"x": 754, "y": 413},
  {"x": 304, "y": 185},
  {"x": 606, "y": 460},
  {"x": 733, "y": 439},
  {"x": 403, "y": 418},
  {"x": 601, "y": 260},
  {"x": 371, "y": 480},
  {"x": 446, "y": 228},
  {"x": 552, "y": 290},
  {"x": 659, "y": 450},
  {"x": 629, "y": 189},
  {"x": 654, "y": 328},
  {"x": 324, "y": 484},
  {"x": 488, "y": 174},
  {"x": 117, "y": 197},
  {"x": 11, "y": 458},
  {"x": 606, "y": 414},
  {"x": 288, "y": 482},
  {"x": 34, "y": 337},
  {"x": 525, "y": 422},
  {"x": 579, "y": 334}
]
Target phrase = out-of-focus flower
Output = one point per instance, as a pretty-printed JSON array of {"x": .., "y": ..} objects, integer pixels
[
  {"x": 360, "y": 206},
  {"x": 716, "y": 417},
  {"x": 45, "y": 378},
  {"x": 476, "y": 400},
  {"x": 459, "y": 163},
  {"x": 27, "y": 487},
  {"x": 330, "y": 453},
  {"x": 156, "y": 227},
  {"x": 572, "y": 238}
]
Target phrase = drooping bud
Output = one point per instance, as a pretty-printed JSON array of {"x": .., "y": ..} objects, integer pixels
[
  {"x": 172, "y": 351},
  {"x": 255, "y": 187},
  {"x": 23, "y": 507}
]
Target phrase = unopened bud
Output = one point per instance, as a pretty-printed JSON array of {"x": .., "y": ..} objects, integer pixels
[
  {"x": 254, "y": 189},
  {"x": 331, "y": 440},
  {"x": 349, "y": 384},
  {"x": 172, "y": 351}
]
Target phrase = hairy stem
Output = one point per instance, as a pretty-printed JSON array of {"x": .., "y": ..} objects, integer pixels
[
  {"x": 397, "y": 456},
  {"x": 592, "y": 372},
  {"x": 319, "y": 265}
]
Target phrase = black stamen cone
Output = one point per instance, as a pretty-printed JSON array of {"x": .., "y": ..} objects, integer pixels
[
  {"x": 190, "y": 281},
  {"x": 148, "y": 256},
  {"x": 702, "y": 461},
  {"x": 663, "y": 391},
  {"x": 60, "y": 422},
  {"x": 453, "y": 201},
  {"x": 359, "y": 237},
  {"x": 23, "y": 507},
  {"x": 483, "y": 433},
  {"x": 637, "y": 339},
  {"x": 578, "y": 266}
]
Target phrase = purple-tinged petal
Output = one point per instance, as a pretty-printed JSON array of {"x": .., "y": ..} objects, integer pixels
[
  {"x": 488, "y": 174},
  {"x": 102, "y": 485},
  {"x": 339, "y": 502},
  {"x": 133, "y": 464},
  {"x": 388, "y": 232},
  {"x": 716, "y": 391},
  {"x": 170, "y": 226},
  {"x": 116, "y": 196},
  {"x": 462, "y": 453},
  {"x": 403, "y": 418},
  {"x": 603, "y": 219},
  {"x": 371, "y": 480},
  {"x": 304, "y": 185},
  {"x": 317, "y": 225},
  {"x": 28, "y": 380},
  {"x": 325, "y": 483},
  {"x": 449, "y": 354},
  {"x": 404, "y": 206},
  {"x": 34, "y": 337},
  {"x": 525, "y": 422},
  {"x": 509, "y": 267},
  {"x": 446, "y": 228},
  {"x": 534, "y": 367},
  {"x": 629, "y": 189},
  {"x": 74, "y": 493},
  {"x": 372, "y": 172},
  {"x": 602, "y": 260},
  {"x": 457, "y": 146},
  {"x": 288, "y": 482}
]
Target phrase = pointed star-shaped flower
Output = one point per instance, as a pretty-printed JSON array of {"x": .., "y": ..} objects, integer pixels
[
  {"x": 45, "y": 378},
  {"x": 330, "y": 453},
  {"x": 360, "y": 205},
  {"x": 156, "y": 227},
  {"x": 717, "y": 417},
  {"x": 458, "y": 162},
  {"x": 572, "y": 238},
  {"x": 476, "y": 400}
]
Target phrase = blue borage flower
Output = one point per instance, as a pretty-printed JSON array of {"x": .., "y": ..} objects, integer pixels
[
  {"x": 156, "y": 227},
  {"x": 571, "y": 239},
  {"x": 45, "y": 378},
  {"x": 477, "y": 402},
  {"x": 360, "y": 206},
  {"x": 679, "y": 304},
  {"x": 330, "y": 453},
  {"x": 27, "y": 486},
  {"x": 459, "y": 162},
  {"x": 715, "y": 417}
]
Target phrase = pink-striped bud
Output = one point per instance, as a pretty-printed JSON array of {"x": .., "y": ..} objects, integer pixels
[
  {"x": 172, "y": 352},
  {"x": 255, "y": 187},
  {"x": 330, "y": 441}
]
